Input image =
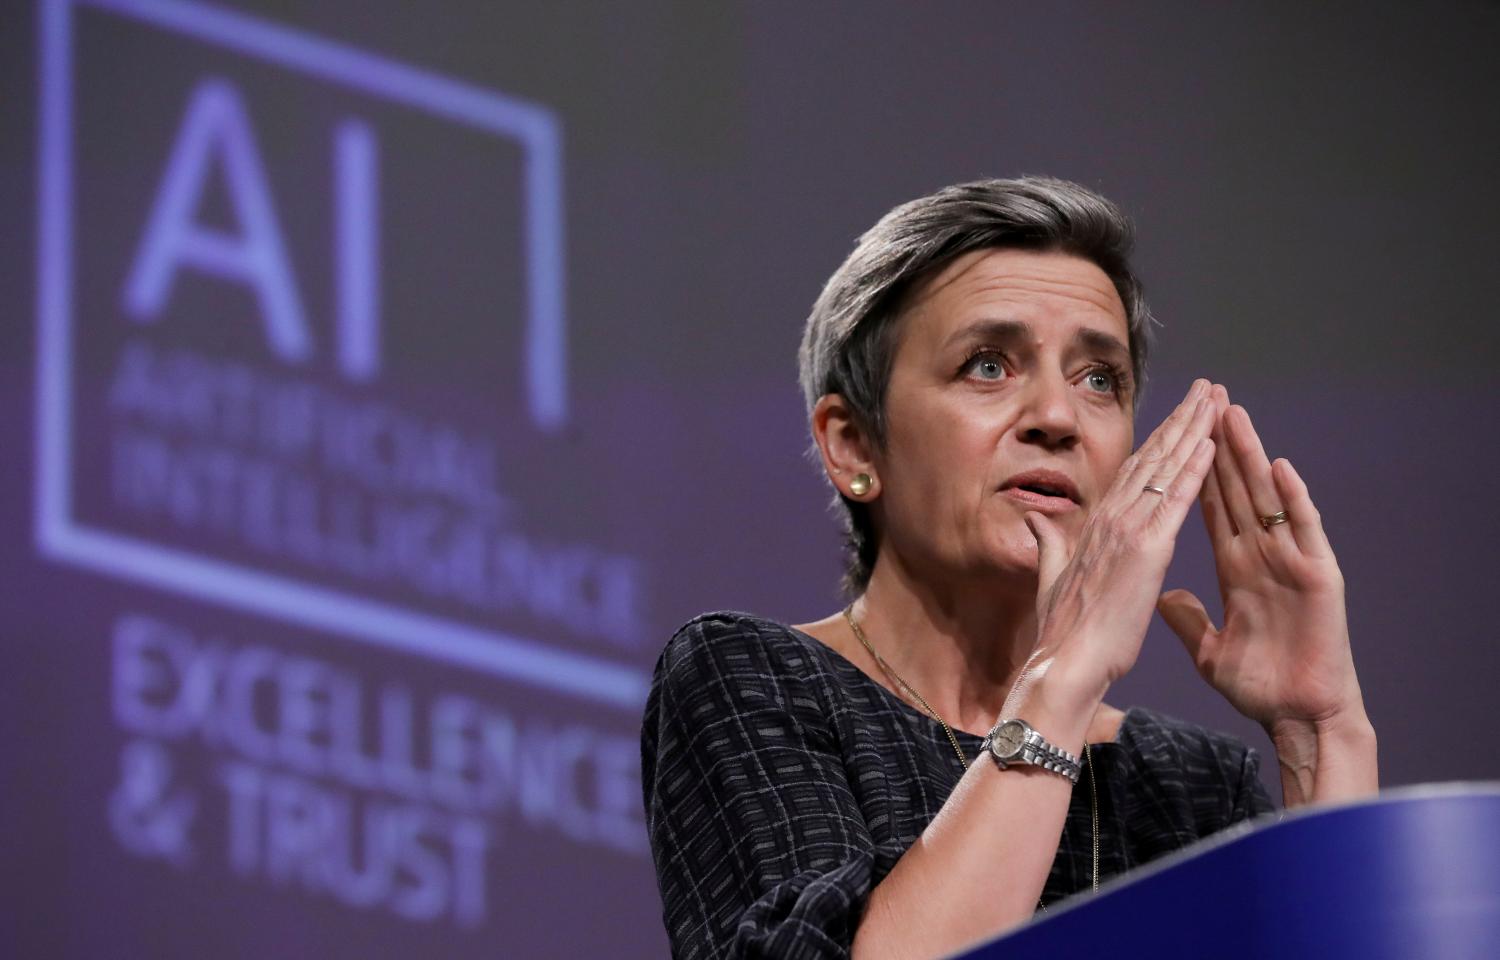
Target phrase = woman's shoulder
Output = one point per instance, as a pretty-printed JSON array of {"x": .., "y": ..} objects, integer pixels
[
  {"x": 1187, "y": 749},
  {"x": 1147, "y": 726},
  {"x": 740, "y": 675},
  {"x": 721, "y": 625},
  {"x": 734, "y": 643},
  {"x": 1185, "y": 778},
  {"x": 727, "y": 629}
]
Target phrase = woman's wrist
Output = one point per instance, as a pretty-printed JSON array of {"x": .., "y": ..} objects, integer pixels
[
  {"x": 1055, "y": 702},
  {"x": 1324, "y": 761}
]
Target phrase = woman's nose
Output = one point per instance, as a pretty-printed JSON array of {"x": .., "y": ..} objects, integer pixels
[{"x": 1049, "y": 417}]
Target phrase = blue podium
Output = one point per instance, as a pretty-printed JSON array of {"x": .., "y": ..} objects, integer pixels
[{"x": 1410, "y": 875}]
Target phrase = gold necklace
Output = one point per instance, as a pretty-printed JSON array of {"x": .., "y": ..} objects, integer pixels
[{"x": 896, "y": 678}]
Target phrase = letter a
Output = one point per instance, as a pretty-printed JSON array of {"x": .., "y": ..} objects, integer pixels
[{"x": 216, "y": 127}]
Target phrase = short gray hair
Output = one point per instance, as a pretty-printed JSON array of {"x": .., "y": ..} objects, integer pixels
[{"x": 849, "y": 341}]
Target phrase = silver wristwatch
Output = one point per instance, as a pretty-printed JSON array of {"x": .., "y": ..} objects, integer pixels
[{"x": 1014, "y": 741}]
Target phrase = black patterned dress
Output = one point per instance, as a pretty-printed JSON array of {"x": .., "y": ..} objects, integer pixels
[{"x": 782, "y": 784}]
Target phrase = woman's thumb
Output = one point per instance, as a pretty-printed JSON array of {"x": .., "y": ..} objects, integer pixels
[
  {"x": 1188, "y": 619},
  {"x": 1051, "y": 550}
]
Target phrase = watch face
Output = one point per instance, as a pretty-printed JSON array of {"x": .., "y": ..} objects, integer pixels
[{"x": 1008, "y": 738}]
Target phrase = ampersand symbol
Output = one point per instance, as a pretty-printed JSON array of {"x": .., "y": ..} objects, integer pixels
[{"x": 149, "y": 817}]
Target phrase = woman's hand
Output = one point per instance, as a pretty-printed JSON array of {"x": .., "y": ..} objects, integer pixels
[
  {"x": 1282, "y": 657},
  {"x": 1094, "y": 601},
  {"x": 1283, "y": 652}
]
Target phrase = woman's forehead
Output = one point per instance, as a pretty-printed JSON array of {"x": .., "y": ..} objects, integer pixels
[{"x": 1033, "y": 286}]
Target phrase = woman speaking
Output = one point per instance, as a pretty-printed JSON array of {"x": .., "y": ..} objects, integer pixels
[{"x": 930, "y": 765}]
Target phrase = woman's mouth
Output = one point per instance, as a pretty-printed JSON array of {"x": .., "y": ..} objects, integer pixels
[
  {"x": 1046, "y": 491},
  {"x": 1040, "y": 500}
]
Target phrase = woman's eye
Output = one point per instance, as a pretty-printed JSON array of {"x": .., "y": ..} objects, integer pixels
[
  {"x": 987, "y": 367},
  {"x": 1100, "y": 381}
]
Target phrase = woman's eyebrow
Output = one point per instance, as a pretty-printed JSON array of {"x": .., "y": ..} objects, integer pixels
[
  {"x": 1011, "y": 331},
  {"x": 1097, "y": 341},
  {"x": 1002, "y": 331}
]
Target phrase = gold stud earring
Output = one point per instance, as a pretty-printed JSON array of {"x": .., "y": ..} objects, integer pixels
[{"x": 860, "y": 484}]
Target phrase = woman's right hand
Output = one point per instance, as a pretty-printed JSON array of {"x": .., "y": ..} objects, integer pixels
[{"x": 1095, "y": 599}]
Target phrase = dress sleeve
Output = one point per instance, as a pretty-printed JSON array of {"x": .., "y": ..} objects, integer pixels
[
  {"x": 759, "y": 843},
  {"x": 1251, "y": 799}
]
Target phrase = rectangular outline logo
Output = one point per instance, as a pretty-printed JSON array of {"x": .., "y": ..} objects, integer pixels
[{"x": 276, "y": 597}]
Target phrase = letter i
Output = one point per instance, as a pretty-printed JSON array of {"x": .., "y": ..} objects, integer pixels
[{"x": 357, "y": 250}]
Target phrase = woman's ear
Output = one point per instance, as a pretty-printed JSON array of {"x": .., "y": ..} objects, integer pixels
[{"x": 847, "y": 449}]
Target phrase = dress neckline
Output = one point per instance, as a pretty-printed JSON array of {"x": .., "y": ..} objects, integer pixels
[{"x": 1131, "y": 713}]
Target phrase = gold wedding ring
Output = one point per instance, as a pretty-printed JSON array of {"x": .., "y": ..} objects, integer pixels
[
  {"x": 1153, "y": 488},
  {"x": 1273, "y": 519}
]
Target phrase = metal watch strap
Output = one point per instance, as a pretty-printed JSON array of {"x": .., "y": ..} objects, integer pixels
[{"x": 1034, "y": 750}]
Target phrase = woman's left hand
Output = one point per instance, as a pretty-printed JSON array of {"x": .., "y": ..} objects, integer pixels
[{"x": 1282, "y": 656}]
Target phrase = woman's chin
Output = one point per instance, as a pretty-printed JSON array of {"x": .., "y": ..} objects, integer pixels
[{"x": 1015, "y": 557}]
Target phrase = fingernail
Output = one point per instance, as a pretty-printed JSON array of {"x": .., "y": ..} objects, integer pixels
[{"x": 1035, "y": 528}]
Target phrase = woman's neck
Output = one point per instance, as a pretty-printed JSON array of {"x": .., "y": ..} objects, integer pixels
[{"x": 960, "y": 644}]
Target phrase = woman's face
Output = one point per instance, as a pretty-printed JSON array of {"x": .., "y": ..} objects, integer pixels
[{"x": 1010, "y": 392}]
